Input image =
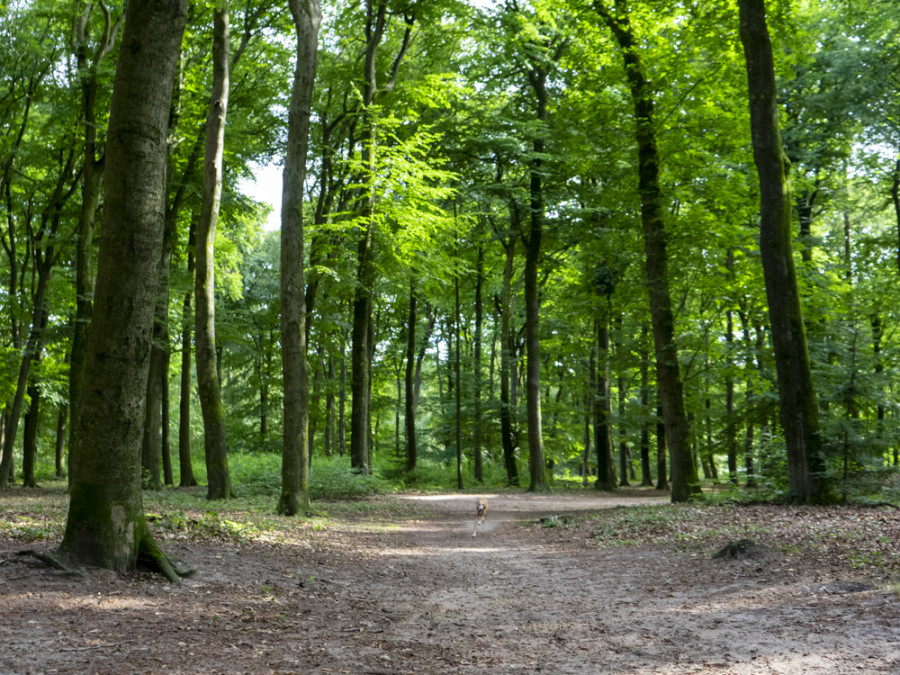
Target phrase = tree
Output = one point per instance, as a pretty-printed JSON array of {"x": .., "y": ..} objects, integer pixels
[
  {"x": 683, "y": 472},
  {"x": 799, "y": 410},
  {"x": 208, "y": 385},
  {"x": 307, "y": 15},
  {"x": 106, "y": 526}
]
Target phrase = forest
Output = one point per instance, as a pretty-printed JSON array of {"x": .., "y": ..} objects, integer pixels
[{"x": 520, "y": 243}]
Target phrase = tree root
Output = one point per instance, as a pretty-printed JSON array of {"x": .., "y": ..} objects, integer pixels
[
  {"x": 54, "y": 562},
  {"x": 152, "y": 558}
]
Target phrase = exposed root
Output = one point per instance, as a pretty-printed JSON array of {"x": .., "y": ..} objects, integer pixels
[
  {"x": 152, "y": 558},
  {"x": 54, "y": 562}
]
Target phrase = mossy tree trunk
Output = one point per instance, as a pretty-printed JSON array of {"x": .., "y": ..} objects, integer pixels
[
  {"x": 307, "y": 16},
  {"x": 106, "y": 525},
  {"x": 208, "y": 382},
  {"x": 807, "y": 481}
]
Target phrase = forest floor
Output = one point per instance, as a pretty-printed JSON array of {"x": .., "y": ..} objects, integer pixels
[{"x": 607, "y": 583}]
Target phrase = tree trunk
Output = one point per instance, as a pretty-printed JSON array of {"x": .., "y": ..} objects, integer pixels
[
  {"x": 185, "y": 467},
  {"x": 799, "y": 411},
  {"x": 506, "y": 356},
  {"x": 61, "y": 420},
  {"x": 671, "y": 390},
  {"x": 537, "y": 471},
  {"x": 476, "y": 369},
  {"x": 409, "y": 381},
  {"x": 91, "y": 175},
  {"x": 662, "y": 482},
  {"x": 32, "y": 349},
  {"x": 294, "y": 500},
  {"x": 29, "y": 436},
  {"x": 166, "y": 440},
  {"x": 646, "y": 478},
  {"x": 606, "y": 476},
  {"x": 106, "y": 525},
  {"x": 208, "y": 379},
  {"x": 457, "y": 371},
  {"x": 157, "y": 381}
]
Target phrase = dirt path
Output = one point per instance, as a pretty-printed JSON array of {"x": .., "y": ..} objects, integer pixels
[{"x": 421, "y": 595}]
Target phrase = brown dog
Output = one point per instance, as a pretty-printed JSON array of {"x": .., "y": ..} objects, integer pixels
[{"x": 481, "y": 507}]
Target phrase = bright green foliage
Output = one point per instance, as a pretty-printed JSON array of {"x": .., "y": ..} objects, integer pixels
[{"x": 455, "y": 138}]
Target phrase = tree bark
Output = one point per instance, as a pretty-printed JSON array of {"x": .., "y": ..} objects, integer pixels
[
  {"x": 671, "y": 389},
  {"x": 294, "y": 500},
  {"x": 409, "y": 380},
  {"x": 506, "y": 357},
  {"x": 186, "y": 469},
  {"x": 106, "y": 525},
  {"x": 606, "y": 476},
  {"x": 208, "y": 380},
  {"x": 476, "y": 369},
  {"x": 91, "y": 175},
  {"x": 538, "y": 474},
  {"x": 799, "y": 410}
]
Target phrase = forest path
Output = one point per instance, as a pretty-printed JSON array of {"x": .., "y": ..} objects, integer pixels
[
  {"x": 512, "y": 600},
  {"x": 416, "y": 593}
]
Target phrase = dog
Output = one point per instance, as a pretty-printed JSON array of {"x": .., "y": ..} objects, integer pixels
[{"x": 481, "y": 507}]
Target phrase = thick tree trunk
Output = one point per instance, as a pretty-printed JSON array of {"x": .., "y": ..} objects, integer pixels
[
  {"x": 799, "y": 410},
  {"x": 106, "y": 525},
  {"x": 208, "y": 380},
  {"x": 684, "y": 475},
  {"x": 294, "y": 500}
]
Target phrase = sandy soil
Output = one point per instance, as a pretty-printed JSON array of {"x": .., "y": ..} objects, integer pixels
[{"x": 416, "y": 593}]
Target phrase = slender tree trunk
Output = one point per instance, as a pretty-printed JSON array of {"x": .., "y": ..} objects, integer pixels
[
  {"x": 91, "y": 174},
  {"x": 29, "y": 436},
  {"x": 506, "y": 357},
  {"x": 342, "y": 405},
  {"x": 536, "y": 467},
  {"x": 329, "y": 410},
  {"x": 32, "y": 348},
  {"x": 157, "y": 381},
  {"x": 799, "y": 410},
  {"x": 671, "y": 390},
  {"x": 166, "y": 440},
  {"x": 61, "y": 420},
  {"x": 186, "y": 469},
  {"x": 106, "y": 525},
  {"x": 307, "y": 16},
  {"x": 208, "y": 378},
  {"x": 409, "y": 381},
  {"x": 476, "y": 369},
  {"x": 606, "y": 476},
  {"x": 730, "y": 423},
  {"x": 646, "y": 477},
  {"x": 662, "y": 482},
  {"x": 458, "y": 375}
]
